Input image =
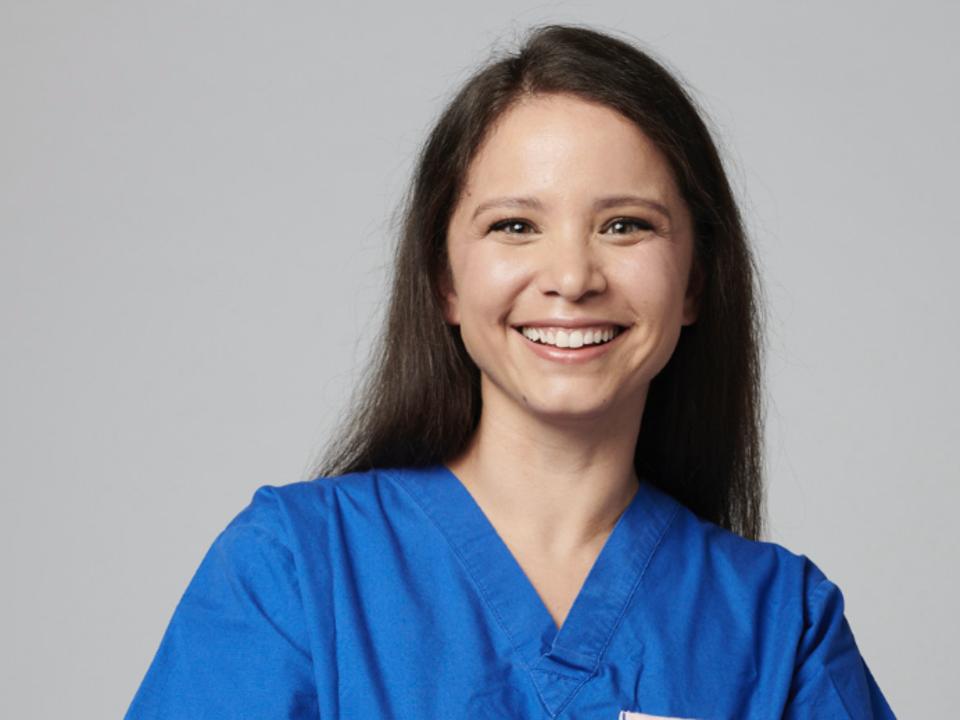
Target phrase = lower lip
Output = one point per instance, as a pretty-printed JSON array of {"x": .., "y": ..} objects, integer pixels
[{"x": 570, "y": 355}]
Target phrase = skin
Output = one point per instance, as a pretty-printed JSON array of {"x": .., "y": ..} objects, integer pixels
[{"x": 551, "y": 463}]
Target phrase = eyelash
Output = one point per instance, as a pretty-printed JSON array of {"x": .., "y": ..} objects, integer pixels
[{"x": 642, "y": 224}]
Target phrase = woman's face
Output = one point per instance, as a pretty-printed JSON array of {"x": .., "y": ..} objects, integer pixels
[{"x": 547, "y": 250}]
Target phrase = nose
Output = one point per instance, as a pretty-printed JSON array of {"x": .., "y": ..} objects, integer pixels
[{"x": 571, "y": 268}]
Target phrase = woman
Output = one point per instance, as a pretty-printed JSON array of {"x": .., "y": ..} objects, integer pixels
[{"x": 548, "y": 502}]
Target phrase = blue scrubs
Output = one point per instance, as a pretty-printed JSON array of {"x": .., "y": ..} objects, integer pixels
[{"x": 388, "y": 594}]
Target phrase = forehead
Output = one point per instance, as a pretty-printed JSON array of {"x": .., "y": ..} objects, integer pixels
[{"x": 564, "y": 145}]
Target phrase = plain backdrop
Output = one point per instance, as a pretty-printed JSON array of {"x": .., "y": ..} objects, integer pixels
[{"x": 196, "y": 215}]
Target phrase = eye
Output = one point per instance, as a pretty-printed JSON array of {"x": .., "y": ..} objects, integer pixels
[
  {"x": 628, "y": 222},
  {"x": 512, "y": 224}
]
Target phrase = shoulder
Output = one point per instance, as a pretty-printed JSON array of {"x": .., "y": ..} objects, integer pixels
[
  {"x": 765, "y": 595},
  {"x": 741, "y": 564},
  {"x": 309, "y": 506},
  {"x": 314, "y": 494},
  {"x": 322, "y": 488},
  {"x": 778, "y": 606},
  {"x": 285, "y": 530}
]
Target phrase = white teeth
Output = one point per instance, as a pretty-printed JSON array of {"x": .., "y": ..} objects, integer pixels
[{"x": 570, "y": 338}]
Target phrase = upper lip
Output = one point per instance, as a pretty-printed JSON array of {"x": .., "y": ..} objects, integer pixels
[{"x": 568, "y": 323}]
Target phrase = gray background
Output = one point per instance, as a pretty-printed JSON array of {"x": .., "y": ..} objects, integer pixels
[{"x": 195, "y": 213}]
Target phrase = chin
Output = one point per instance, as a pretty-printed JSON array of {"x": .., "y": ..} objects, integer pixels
[{"x": 567, "y": 412}]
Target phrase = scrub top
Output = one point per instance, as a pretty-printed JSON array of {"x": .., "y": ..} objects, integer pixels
[{"x": 389, "y": 594}]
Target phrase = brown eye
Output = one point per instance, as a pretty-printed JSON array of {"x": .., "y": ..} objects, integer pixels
[
  {"x": 509, "y": 226},
  {"x": 628, "y": 223}
]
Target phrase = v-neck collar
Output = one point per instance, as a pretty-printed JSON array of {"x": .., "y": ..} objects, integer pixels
[{"x": 559, "y": 661}]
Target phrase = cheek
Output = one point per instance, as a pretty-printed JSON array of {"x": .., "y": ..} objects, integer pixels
[
  {"x": 489, "y": 282},
  {"x": 654, "y": 288},
  {"x": 653, "y": 284}
]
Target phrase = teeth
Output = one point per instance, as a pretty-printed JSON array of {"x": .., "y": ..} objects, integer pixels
[{"x": 570, "y": 338}]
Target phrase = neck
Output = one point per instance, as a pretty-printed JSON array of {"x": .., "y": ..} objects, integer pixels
[{"x": 558, "y": 487}]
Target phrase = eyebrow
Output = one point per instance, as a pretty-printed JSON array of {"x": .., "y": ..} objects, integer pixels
[{"x": 602, "y": 203}]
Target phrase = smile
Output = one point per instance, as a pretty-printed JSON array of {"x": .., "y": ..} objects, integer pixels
[{"x": 571, "y": 337}]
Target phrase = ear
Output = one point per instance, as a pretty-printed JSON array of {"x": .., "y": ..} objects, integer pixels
[
  {"x": 691, "y": 302},
  {"x": 448, "y": 298}
]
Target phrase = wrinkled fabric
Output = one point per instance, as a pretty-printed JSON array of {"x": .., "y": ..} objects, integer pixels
[{"x": 389, "y": 594}]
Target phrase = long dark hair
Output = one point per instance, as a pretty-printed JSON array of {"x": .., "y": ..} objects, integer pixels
[{"x": 701, "y": 434}]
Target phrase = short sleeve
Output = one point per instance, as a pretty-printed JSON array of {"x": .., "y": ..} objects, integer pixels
[
  {"x": 831, "y": 679},
  {"x": 236, "y": 646}
]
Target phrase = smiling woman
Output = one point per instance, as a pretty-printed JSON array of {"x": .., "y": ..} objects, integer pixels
[
  {"x": 548, "y": 500},
  {"x": 585, "y": 171}
]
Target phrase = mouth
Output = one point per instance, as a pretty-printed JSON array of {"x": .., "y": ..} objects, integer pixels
[{"x": 564, "y": 338}]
